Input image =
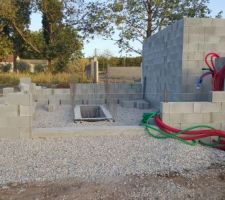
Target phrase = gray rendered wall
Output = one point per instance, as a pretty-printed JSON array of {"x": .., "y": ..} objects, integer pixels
[{"x": 174, "y": 58}]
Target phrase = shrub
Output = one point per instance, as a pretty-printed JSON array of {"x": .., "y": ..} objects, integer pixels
[
  {"x": 6, "y": 67},
  {"x": 8, "y": 79},
  {"x": 42, "y": 78},
  {"x": 39, "y": 68},
  {"x": 23, "y": 66}
]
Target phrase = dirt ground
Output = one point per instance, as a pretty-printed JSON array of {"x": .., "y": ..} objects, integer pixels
[{"x": 209, "y": 185}]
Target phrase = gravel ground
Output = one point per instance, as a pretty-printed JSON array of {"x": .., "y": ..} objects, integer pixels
[
  {"x": 209, "y": 185},
  {"x": 93, "y": 158},
  {"x": 63, "y": 117}
]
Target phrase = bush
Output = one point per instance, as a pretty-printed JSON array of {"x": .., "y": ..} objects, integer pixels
[
  {"x": 6, "y": 67},
  {"x": 8, "y": 79},
  {"x": 39, "y": 68},
  {"x": 23, "y": 66}
]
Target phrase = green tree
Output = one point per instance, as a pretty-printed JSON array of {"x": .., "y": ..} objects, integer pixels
[
  {"x": 62, "y": 42},
  {"x": 136, "y": 20},
  {"x": 14, "y": 23},
  {"x": 37, "y": 39},
  {"x": 5, "y": 47},
  {"x": 67, "y": 48}
]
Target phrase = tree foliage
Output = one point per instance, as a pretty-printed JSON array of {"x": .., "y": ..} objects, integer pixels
[
  {"x": 62, "y": 42},
  {"x": 136, "y": 20},
  {"x": 37, "y": 39},
  {"x": 118, "y": 62},
  {"x": 58, "y": 41},
  {"x": 5, "y": 47},
  {"x": 14, "y": 22}
]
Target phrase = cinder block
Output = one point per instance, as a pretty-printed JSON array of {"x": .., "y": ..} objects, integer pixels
[
  {"x": 25, "y": 80},
  {"x": 66, "y": 101},
  {"x": 52, "y": 107},
  {"x": 25, "y": 132},
  {"x": 223, "y": 126},
  {"x": 26, "y": 88},
  {"x": 9, "y": 132},
  {"x": 218, "y": 117},
  {"x": 7, "y": 90},
  {"x": 61, "y": 91},
  {"x": 165, "y": 107},
  {"x": 175, "y": 118},
  {"x": 181, "y": 107},
  {"x": 194, "y": 118},
  {"x": 25, "y": 111},
  {"x": 2, "y": 100},
  {"x": 20, "y": 122},
  {"x": 177, "y": 126},
  {"x": 3, "y": 122},
  {"x": 197, "y": 107},
  {"x": 8, "y": 110},
  {"x": 207, "y": 118},
  {"x": 47, "y": 91},
  {"x": 213, "y": 125},
  {"x": 223, "y": 106},
  {"x": 207, "y": 107},
  {"x": 62, "y": 96},
  {"x": 19, "y": 98},
  {"x": 165, "y": 117},
  {"x": 218, "y": 96}
]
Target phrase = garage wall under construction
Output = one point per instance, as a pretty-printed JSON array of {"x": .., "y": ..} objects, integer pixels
[{"x": 174, "y": 57}]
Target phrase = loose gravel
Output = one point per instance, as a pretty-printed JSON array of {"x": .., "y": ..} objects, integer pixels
[
  {"x": 93, "y": 158},
  {"x": 64, "y": 117}
]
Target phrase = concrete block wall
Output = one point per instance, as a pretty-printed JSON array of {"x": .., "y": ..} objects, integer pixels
[
  {"x": 17, "y": 109},
  {"x": 162, "y": 61},
  {"x": 186, "y": 114},
  {"x": 105, "y": 93},
  {"x": 131, "y": 73},
  {"x": 45, "y": 96},
  {"x": 87, "y": 94},
  {"x": 201, "y": 36},
  {"x": 16, "y": 115},
  {"x": 174, "y": 57}
]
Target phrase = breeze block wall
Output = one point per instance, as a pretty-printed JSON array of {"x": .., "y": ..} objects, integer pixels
[
  {"x": 186, "y": 114},
  {"x": 103, "y": 93},
  {"x": 174, "y": 57},
  {"x": 16, "y": 111}
]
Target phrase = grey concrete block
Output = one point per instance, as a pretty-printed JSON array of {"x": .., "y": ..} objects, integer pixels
[
  {"x": 7, "y": 90},
  {"x": 25, "y": 80},
  {"x": 25, "y": 111},
  {"x": 9, "y": 132},
  {"x": 20, "y": 122},
  {"x": 8, "y": 110},
  {"x": 19, "y": 98},
  {"x": 173, "y": 55}
]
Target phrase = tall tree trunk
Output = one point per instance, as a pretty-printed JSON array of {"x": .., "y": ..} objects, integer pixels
[
  {"x": 149, "y": 11},
  {"x": 50, "y": 64},
  {"x": 14, "y": 61}
]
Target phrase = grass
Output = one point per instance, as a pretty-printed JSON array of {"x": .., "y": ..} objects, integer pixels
[{"x": 45, "y": 79}]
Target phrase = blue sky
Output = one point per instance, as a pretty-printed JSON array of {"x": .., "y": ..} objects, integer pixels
[{"x": 101, "y": 45}]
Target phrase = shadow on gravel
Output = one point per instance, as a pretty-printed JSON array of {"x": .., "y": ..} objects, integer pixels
[{"x": 209, "y": 184}]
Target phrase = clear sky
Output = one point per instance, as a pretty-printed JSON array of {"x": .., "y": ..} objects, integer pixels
[{"x": 101, "y": 45}]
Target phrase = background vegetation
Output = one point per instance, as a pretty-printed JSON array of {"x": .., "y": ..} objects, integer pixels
[{"x": 67, "y": 23}]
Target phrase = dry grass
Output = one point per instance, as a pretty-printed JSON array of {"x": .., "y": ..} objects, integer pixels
[{"x": 48, "y": 79}]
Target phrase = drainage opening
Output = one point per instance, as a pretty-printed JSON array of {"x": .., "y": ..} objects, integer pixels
[{"x": 91, "y": 113}]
